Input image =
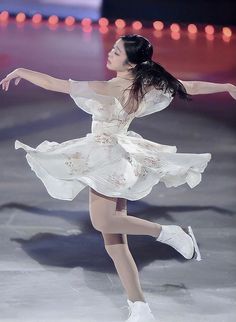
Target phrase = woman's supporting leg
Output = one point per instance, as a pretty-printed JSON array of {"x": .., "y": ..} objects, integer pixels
[
  {"x": 117, "y": 247},
  {"x": 104, "y": 219}
]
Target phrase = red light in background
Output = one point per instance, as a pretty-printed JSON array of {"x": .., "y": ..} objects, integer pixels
[
  {"x": 210, "y": 37},
  {"x": 137, "y": 25},
  {"x": 53, "y": 20},
  {"x": 209, "y": 30},
  {"x": 87, "y": 29},
  {"x": 226, "y": 39},
  {"x": 120, "y": 23},
  {"x": 192, "y": 29},
  {"x": 174, "y": 27},
  {"x": 175, "y": 35},
  {"x": 158, "y": 25},
  {"x": 69, "y": 21},
  {"x": 103, "y": 22},
  {"x": 103, "y": 30},
  {"x": 86, "y": 22},
  {"x": 227, "y": 31},
  {"x": 4, "y": 16},
  {"x": 37, "y": 18},
  {"x": 20, "y": 17}
]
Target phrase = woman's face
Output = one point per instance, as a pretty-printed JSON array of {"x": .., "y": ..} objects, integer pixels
[{"x": 117, "y": 58}]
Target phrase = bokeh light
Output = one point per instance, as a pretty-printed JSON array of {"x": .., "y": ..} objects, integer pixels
[
  {"x": 192, "y": 29},
  {"x": 174, "y": 27},
  {"x": 209, "y": 30},
  {"x": 53, "y": 20},
  {"x": 4, "y": 16},
  {"x": 137, "y": 25},
  {"x": 37, "y": 18},
  {"x": 227, "y": 31},
  {"x": 20, "y": 17},
  {"x": 158, "y": 25},
  {"x": 86, "y": 23},
  {"x": 69, "y": 21},
  {"x": 120, "y": 23},
  {"x": 103, "y": 22},
  {"x": 175, "y": 35}
]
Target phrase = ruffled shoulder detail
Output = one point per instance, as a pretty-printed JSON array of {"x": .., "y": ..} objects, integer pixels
[
  {"x": 154, "y": 101},
  {"x": 91, "y": 96}
]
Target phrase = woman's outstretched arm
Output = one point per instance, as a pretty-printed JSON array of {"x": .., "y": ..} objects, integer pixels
[
  {"x": 199, "y": 87},
  {"x": 43, "y": 80}
]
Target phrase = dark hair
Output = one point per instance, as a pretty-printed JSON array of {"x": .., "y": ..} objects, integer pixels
[{"x": 148, "y": 73}]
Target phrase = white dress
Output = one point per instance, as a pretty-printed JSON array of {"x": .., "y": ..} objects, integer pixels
[{"x": 112, "y": 160}]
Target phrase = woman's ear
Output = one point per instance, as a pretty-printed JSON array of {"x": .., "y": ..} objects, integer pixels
[{"x": 126, "y": 62}]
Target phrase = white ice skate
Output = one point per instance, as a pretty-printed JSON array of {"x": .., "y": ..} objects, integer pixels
[
  {"x": 140, "y": 312},
  {"x": 183, "y": 240}
]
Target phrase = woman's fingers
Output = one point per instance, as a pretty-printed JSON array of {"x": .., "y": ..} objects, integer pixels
[{"x": 5, "y": 84}]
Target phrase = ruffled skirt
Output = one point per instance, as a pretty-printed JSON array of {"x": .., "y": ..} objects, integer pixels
[{"x": 121, "y": 165}]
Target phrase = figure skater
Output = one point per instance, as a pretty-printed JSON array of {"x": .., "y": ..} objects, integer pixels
[{"x": 118, "y": 164}]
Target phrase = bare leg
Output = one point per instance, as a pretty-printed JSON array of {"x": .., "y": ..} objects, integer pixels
[
  {"x": 117, "y": 247},
  {"x": 104, "y": 219}
]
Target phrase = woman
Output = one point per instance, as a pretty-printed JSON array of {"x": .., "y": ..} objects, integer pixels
[{"x": 118, "y": 164}]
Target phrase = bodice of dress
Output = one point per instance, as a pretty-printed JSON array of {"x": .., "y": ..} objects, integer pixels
[{"x": 108, "y": 114}]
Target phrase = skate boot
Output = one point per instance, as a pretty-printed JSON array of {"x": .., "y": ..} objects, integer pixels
[
  {"x": 140, "y": 312},
  {"x": 181, "y": 239}
]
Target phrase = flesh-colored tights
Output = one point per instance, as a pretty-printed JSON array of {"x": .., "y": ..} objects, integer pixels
[{"x": 109, "y": 215}]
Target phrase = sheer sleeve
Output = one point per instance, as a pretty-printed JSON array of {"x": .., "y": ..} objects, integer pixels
[
  {"x": 90, "y": 96},
  {"x": 154, "y": 101}
]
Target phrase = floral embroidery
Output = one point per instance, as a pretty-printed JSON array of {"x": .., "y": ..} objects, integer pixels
[
  {"x": 105, "y": 138},
  {"x": 139, "y": 170},
  {"x": 76, "y": 163},
  {"x": 117, "y": 179},
  {"x": 151, "y": 161}
]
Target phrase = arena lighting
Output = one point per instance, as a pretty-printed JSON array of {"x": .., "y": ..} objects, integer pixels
[
  {"x": 103, "y": 30},
  {"x": 87, "y": 29},
  {"x": 4, "y": 16},
  {"x": 37, "y": 18},
  {"x": 20, "y": 17},
  {"x": 158, "y": 25},
  {"x": 192, "y": 29},
  {"x": 53, "y": 20},
  {"x": 86, "y": 22},
  {"x": 209, "y": 30},
  {"x": 103, "y": 22},
  {"x": 226, "y": 39},
  {"x": 158, "y": 33},
  {"x": 69, "y": 21},
  {"x": 174, "y": 27},
  {"x": 175, "y": 35},
  {"x": 120, "y": 23},
  {"x": 227, "y": 31},
  {"x": 210, "y": 37},
  {"x": 137, "y": 25}
]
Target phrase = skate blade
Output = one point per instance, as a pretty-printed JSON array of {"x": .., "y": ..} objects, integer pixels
[{"x": 197, "y": 254}]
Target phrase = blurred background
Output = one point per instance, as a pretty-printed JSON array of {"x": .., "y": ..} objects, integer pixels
[{"x": 201, "y": 11}]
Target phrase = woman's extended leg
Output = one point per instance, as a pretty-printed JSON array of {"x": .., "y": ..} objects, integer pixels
[
  {"x": 104, "y": 219},
  {"x": 117, "y": 247}
]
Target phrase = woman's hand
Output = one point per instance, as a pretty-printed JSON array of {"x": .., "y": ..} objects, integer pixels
[
  {"x": 5, "y": 82},
  {"x": 232, "y": 90}
]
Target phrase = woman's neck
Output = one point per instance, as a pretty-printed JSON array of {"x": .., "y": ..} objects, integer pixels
[{"x": 124, "y": 75}]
